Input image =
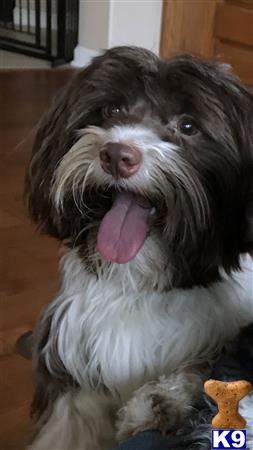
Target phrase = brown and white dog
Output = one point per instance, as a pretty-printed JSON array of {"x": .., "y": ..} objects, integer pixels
[{"x": 144, "y": 168}]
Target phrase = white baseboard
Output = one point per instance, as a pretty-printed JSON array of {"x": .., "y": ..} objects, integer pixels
[{"x": 83, "y": 56}]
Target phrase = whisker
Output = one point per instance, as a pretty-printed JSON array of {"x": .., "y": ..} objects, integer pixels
[{"x": 85, "y": 228}]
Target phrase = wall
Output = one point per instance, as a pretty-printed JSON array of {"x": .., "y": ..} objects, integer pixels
[
  {"x": 107, "y": 23},
  {"x": 93, "y": 23},
  {"x": 135, "y": 23}
]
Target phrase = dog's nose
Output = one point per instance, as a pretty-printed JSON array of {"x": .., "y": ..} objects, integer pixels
[{"x": 120, "y": 160}]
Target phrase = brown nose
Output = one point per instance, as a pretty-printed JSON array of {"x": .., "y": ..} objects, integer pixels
[{"x": 120, "y": 160}]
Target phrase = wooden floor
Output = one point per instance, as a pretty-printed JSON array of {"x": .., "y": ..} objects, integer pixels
[{"x": 28, "y": 261}]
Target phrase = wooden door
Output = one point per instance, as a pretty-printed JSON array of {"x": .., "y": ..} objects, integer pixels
[{"x": 220, "y": 29}]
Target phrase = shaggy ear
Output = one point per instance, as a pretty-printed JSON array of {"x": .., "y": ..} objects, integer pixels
[
  {"x": 244, "y": 131},
  {"x": 44, "y": 158},
  {"x": 55, "y": 135},
  {"x": 50, "y": 143},
  {"x": 238, "y": 102},
  {"x": 248, "y": 143},
  {"x": 249, "y": 234}
]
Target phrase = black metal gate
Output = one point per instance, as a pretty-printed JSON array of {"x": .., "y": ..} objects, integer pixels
[{"x": 44, "y": 29}]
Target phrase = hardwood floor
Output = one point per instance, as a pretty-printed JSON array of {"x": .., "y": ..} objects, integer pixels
[{"x": 28, "y": 261}]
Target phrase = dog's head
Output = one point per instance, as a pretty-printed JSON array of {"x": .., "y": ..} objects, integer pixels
[{"x": 138, "y": 148}]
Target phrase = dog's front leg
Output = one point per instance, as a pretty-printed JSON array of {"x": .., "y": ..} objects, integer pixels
[{"x": 162, "y": 405}]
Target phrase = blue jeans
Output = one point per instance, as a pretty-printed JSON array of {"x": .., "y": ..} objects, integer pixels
[{"x": 148, "y": 440}]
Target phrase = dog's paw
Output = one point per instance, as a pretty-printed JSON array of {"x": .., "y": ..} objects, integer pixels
[{"x": 156, "y": 406}]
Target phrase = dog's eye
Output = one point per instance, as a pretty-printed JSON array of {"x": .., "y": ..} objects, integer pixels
[
  {"x": 115, "y": 110},
  {"x": 109, "y": 111},
  {"x": 187, "y": 126}
]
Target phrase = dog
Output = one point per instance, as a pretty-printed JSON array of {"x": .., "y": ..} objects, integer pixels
[{"x": 143, "y": 168}]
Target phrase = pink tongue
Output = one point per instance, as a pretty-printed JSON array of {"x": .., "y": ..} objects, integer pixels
[{"x": 123, "y": 230}]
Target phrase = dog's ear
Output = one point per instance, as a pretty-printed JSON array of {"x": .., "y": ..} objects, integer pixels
[
  {"x": 54, "y": 136},
  {"x": 242, "y": 113},
  {"x": 237, "y": 100},
  {"x": 246, "y": 142},
  {"x": 50, "y": 143},
  {"x": 249, "y": 229}
]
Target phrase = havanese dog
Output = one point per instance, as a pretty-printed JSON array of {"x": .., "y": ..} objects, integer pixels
[{"x": 143, "y": 168}]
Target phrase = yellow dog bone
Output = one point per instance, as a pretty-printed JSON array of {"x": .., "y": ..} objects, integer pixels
[{"x": 227, "y": 397}]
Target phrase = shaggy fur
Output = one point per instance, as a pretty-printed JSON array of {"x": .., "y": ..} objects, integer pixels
[{"x": 164, "y": 316}]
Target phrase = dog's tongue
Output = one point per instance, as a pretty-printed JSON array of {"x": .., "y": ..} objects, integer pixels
[{"x": 124, "y": 228}]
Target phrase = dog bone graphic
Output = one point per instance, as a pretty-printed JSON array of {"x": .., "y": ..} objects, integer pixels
[{"x": 227, "y": 396}]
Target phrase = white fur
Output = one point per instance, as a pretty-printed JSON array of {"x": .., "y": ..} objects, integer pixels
[{"x": 132, "y": 334}]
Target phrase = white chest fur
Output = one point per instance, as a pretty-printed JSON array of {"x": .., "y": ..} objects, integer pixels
[{"x": 110, "y": 331}]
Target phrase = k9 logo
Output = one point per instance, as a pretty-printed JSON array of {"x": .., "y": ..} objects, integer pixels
[{"x": 228, "y": 439}]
